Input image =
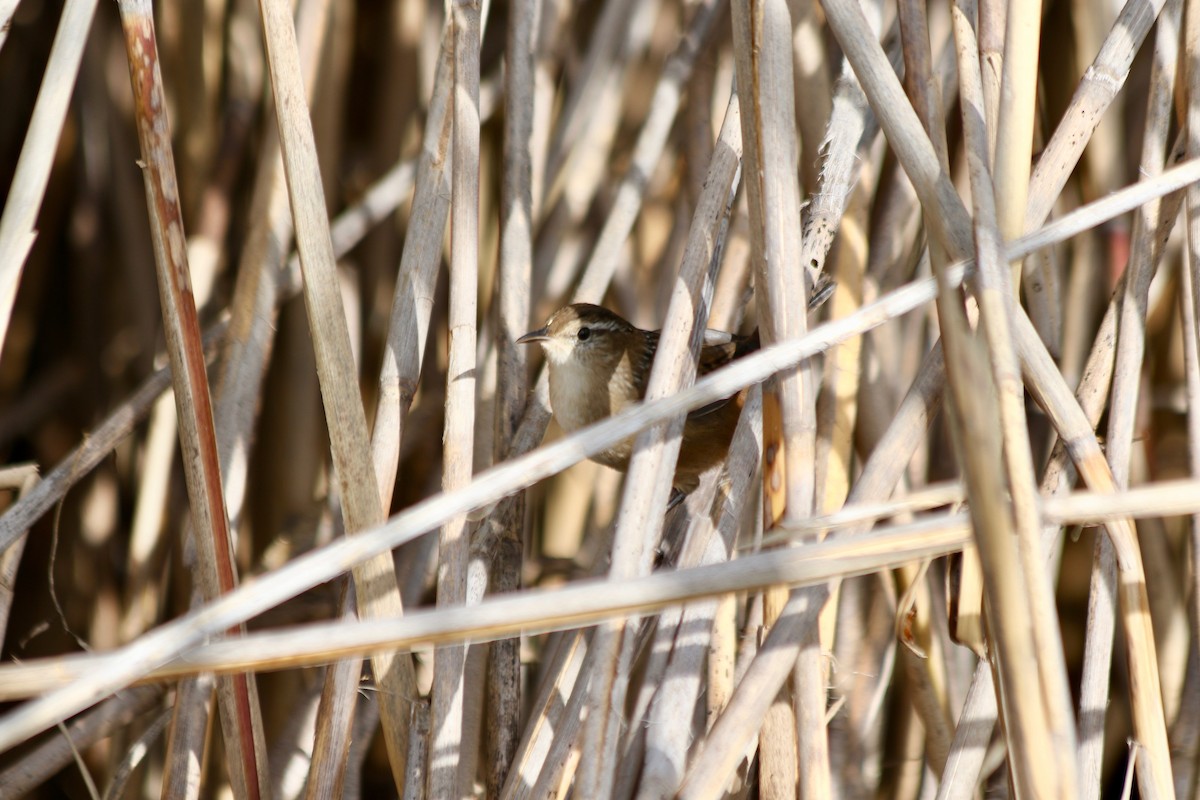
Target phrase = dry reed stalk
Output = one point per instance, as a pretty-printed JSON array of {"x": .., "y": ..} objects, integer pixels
[
  {"x": 1030, "y": 730},
  {"x": 1094, "y": 686},
  {"x": 924, "y": 660},
  {"x": 564, "y": 755},
  {"x": 967, "y": 751},
  {"x": 1100, "y": 84},
  {"x": 844, "y": 192},
  {"x": 375, "y": 580},
  {"x": 22, "y": 478},
  {"x": 292, "y": 750},
  {"x": 899, "y": 121},
  {"x": 63, "y": 746},
  {"x": 241, "y": 371},
  {"x": 698, "y": 144},
  {"x": 591, "y": 110},
  {"x": 774, "y": 662},
  {"x": 995, "y": 293},
  {"x": 1162, "y": 499},
  {"x": 837, "y": 407},
  {"x": 651, "y": 656},
  {"x": 812, "y": 91},
  {"x": 452, "y": 759},
  {"x": 519, "y": 471},
  {"x": 1102, "y": 155},
  {"x": 837, "y": 203},
  {"x": 7, "y": 9},
  {"x": 548, "y": 710},
  {"x": 331, "y": 560},
  {"x": 17, "y": 222},
  {"x": 335, "y": 710},
  {"x": 237, "y": 695},
  {"x": 348, "y": 230},
  {"x": 147, "y": 541},
  {"x": 652, "y": 139},
  {"x": 351, "y": 225},
  {"x": 976, "y": 722},
  {"x": 124, "y": 770},
  {"x": 1165, "y": 498},
  {"x": 861, "y": 56},
  {"x": 601, "y": 265},
  {"x": 183, "y": 762},
  {"x": 850, "y": 124},
  {"x": 991, "y": 18},
  {"x": 608, "y": 50},
  {"x": 412, "y": 304},
  {"x": 843, "y": 151},
  {"x": 762, "y": 54},
  {"x": 1044, "y": 382},
  {"x": 512, "y": 321},
  {"x": 587, "y": 145},
  {"x": 670, "y": 729},
  {"x": 853, "y": 514},
  {"x": 1185, "y": 735},
  {"x": 663, "y": 710},
  {"x": 1016, "y": 142},
  {"x": 256, "y": 296},
  {"x": 922, "y": 655},
  {"x": 656, "y": 450},
  {"x": 1014, "y": 117},
  {"x": 1143, "y": 668},
  {"x": 582, "y": 603}
]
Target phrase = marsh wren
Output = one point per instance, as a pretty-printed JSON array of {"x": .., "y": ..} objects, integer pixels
[{"x": 600, "y": 364}]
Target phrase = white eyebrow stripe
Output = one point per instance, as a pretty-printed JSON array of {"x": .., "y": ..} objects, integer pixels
[{"x": 600, "y": 324}]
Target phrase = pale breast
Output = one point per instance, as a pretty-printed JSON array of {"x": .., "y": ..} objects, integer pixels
[
  {"x": 577, "y": 400},
  {"x": 573, "y": 406}
]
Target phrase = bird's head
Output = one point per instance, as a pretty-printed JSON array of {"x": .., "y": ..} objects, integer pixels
[{"x": 581, "y": 333}]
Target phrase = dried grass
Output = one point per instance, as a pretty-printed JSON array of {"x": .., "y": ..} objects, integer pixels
[{"x": 876, "y": 599}]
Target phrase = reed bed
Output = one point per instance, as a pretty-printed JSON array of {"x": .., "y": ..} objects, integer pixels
[{"x": 283, "y": 510}]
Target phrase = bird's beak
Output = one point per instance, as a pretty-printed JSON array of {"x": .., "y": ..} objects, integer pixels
[{"x": 540, "y": 335}]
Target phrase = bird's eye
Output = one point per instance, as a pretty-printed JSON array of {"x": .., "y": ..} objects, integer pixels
[{"x": 584, "y": 334}]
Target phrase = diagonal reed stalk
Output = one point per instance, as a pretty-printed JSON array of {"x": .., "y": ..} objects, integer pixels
[{"x": 563, "y": 634}]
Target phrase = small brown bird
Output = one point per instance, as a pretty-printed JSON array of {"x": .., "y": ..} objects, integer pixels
[{"x": 599, "y": 364}]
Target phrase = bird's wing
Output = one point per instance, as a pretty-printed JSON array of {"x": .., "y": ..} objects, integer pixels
[
  {"x": 715, "y": 405},
  {"x": 715, "y": 356}
]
